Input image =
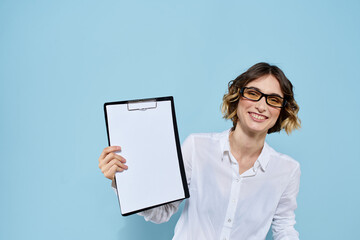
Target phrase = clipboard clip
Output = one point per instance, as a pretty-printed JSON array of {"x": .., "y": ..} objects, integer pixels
[{"x": 141, "y": 105}]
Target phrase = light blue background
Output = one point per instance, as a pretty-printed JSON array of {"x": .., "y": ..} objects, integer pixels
[{"x": 61, "y": 60}]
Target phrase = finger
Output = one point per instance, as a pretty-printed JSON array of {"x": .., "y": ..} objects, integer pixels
[
  {"x": 110, "y": 157},
  {"x": 111, "y": 173},
  {"x": 113, "y": 162},
  {"x": 108, "y": 150},
  {"x": 104, "y": 168}
]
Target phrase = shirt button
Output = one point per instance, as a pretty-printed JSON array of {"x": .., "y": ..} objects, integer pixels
[
  {"x": 229, "y": 220},
  {"x": 237, "y": 180}
]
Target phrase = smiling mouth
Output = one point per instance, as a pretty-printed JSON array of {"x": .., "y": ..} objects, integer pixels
[{"x": 258, "y": 116}]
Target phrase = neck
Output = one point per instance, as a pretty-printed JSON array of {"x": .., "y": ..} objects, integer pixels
[{"x": 245, "y": 145}]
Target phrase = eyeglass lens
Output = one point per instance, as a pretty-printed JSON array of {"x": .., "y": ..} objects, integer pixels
[{"x": 255, "y": 95}]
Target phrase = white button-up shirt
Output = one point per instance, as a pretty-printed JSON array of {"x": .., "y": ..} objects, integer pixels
[{"x": 226, "y": 205}]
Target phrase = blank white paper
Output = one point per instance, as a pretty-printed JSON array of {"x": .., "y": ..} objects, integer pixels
[{"x": 148, "y": 144}]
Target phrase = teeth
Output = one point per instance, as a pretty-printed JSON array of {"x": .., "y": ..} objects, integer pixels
[{"x": 257, "y": 116}]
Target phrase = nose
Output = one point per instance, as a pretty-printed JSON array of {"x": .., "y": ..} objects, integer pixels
[{"x": 261, "y": 105}]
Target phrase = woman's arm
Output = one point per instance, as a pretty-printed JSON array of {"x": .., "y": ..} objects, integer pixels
[
  {"x": 284, "y": 218},
  {"x": 161, "y": 214}
]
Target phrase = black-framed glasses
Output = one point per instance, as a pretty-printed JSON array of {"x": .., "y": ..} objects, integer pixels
[{"x": 254, "y": 94}]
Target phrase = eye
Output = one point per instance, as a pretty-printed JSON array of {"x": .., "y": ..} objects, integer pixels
[
  {"x": 252, "y": 92},
  {"x": 275, "y": 99}
]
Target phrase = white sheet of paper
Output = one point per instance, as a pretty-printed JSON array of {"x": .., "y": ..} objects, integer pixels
[{"x": 148, "y": 144}]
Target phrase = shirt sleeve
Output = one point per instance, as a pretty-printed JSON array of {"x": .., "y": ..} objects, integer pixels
[
  {"x": 284, "y": 218},
  {"x": 162, "y": 213}
]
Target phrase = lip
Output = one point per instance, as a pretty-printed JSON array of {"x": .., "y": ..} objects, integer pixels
[{"x": 261, "y": 119}]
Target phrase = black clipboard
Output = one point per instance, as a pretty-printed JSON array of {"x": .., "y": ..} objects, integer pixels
[{"x": 146, "y": 129}]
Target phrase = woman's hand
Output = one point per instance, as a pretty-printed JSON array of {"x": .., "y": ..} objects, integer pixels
[{"x": 110, "y": 162}]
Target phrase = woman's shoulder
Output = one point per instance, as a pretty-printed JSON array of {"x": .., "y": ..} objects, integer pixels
[
  {"x": 207, "y": 140},
  {"x": 210, "y": 136},
  {"x": 282, "y": 159}
]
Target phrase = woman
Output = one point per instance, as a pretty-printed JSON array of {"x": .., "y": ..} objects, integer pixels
[{"x": 239, "y": 186}]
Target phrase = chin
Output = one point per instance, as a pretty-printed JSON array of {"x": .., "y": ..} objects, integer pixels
[
  {"x": 258, "y": 129},
  {"x": 255, "y": 127}
]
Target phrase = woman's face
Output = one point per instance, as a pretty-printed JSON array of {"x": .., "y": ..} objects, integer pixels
[{"x": 258, "y": 117}]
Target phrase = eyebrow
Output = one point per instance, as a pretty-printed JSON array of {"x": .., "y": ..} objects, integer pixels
[{"x": 272, "y": 94}]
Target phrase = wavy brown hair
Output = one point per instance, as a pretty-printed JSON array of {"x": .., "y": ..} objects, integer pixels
[{"x": 288, "y": 118}]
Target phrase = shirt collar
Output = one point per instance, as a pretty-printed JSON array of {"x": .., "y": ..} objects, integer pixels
[
  {"x": 224, "y": 141},
  {"x": 263, "y": 158}
]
